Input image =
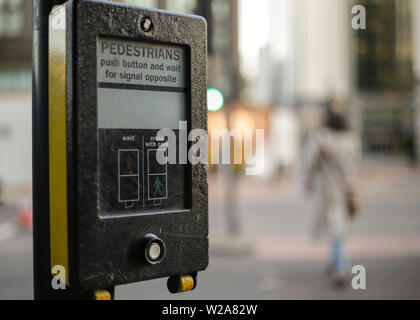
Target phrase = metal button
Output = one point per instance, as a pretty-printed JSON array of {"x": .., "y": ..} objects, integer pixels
[{"x": 154, "y": 251}]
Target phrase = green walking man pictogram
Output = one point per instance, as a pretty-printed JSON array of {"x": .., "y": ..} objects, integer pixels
[{"x": 157, "y": 185}]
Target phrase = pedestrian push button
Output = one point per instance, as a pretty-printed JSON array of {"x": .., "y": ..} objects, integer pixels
[{"x": 154, "y": 249}]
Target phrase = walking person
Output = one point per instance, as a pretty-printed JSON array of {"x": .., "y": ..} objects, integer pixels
[{"x": 331, "y": 159}]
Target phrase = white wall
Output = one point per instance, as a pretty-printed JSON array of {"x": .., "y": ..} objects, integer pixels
[
  {"x": 16, "y": 146},
  {"x": 324, "y": 49}
]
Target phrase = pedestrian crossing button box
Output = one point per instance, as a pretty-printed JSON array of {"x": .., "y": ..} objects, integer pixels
[{"x": 118, "y": 74}]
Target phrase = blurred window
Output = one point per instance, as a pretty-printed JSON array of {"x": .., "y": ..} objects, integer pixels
[
  {"x": 10, "y": 80},
  {"x": 11, "y": 18},
  {"x": 221, "y": 15},
  {"x": 384, "y": 48}
]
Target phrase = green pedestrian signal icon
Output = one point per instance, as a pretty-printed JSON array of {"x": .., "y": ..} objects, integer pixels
[{"x": 157, "y": 185}]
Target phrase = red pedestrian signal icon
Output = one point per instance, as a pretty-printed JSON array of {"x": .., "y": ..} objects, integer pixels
[{"x": 129, "y": 163}]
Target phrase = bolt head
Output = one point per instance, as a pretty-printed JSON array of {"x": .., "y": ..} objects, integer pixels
[{"x": 146, "y": 24}]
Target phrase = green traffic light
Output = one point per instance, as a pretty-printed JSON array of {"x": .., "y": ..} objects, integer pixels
[{"x": 215, "y": 99}]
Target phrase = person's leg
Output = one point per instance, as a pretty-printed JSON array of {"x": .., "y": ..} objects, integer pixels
[{"x": 339, "y": 260}]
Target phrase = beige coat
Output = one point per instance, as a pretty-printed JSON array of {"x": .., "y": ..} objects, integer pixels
[{"x": 331, "y": 160}]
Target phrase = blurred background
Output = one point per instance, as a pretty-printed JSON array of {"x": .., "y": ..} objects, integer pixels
[{"x": 276, "y": 63}]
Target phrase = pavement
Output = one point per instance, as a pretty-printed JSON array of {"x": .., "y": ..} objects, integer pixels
[{"x": 274, "y": 257}]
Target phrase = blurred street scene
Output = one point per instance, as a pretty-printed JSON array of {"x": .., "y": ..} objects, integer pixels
[
  {"x": 277, "y": 63},
  {"x": 279, "y": 260}
]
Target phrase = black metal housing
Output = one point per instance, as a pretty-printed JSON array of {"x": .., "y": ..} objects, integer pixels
[{"x": 105, "y": 251}]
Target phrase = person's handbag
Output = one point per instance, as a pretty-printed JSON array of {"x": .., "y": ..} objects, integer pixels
[{"x": 353, "y": 204}]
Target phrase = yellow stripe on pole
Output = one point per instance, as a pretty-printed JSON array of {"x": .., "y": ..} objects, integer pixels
[{"x": 57, "y": 140}]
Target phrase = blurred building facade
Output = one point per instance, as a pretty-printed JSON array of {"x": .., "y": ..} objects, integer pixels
[
  {"x": 313, "y": 54},
  {"x": 372, "y": 69},
  {"x": 385, "y": 78},
  {"x": 15, "y": 95}
]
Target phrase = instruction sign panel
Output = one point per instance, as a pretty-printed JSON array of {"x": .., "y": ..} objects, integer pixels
[{"x": 141, "y": 89}]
